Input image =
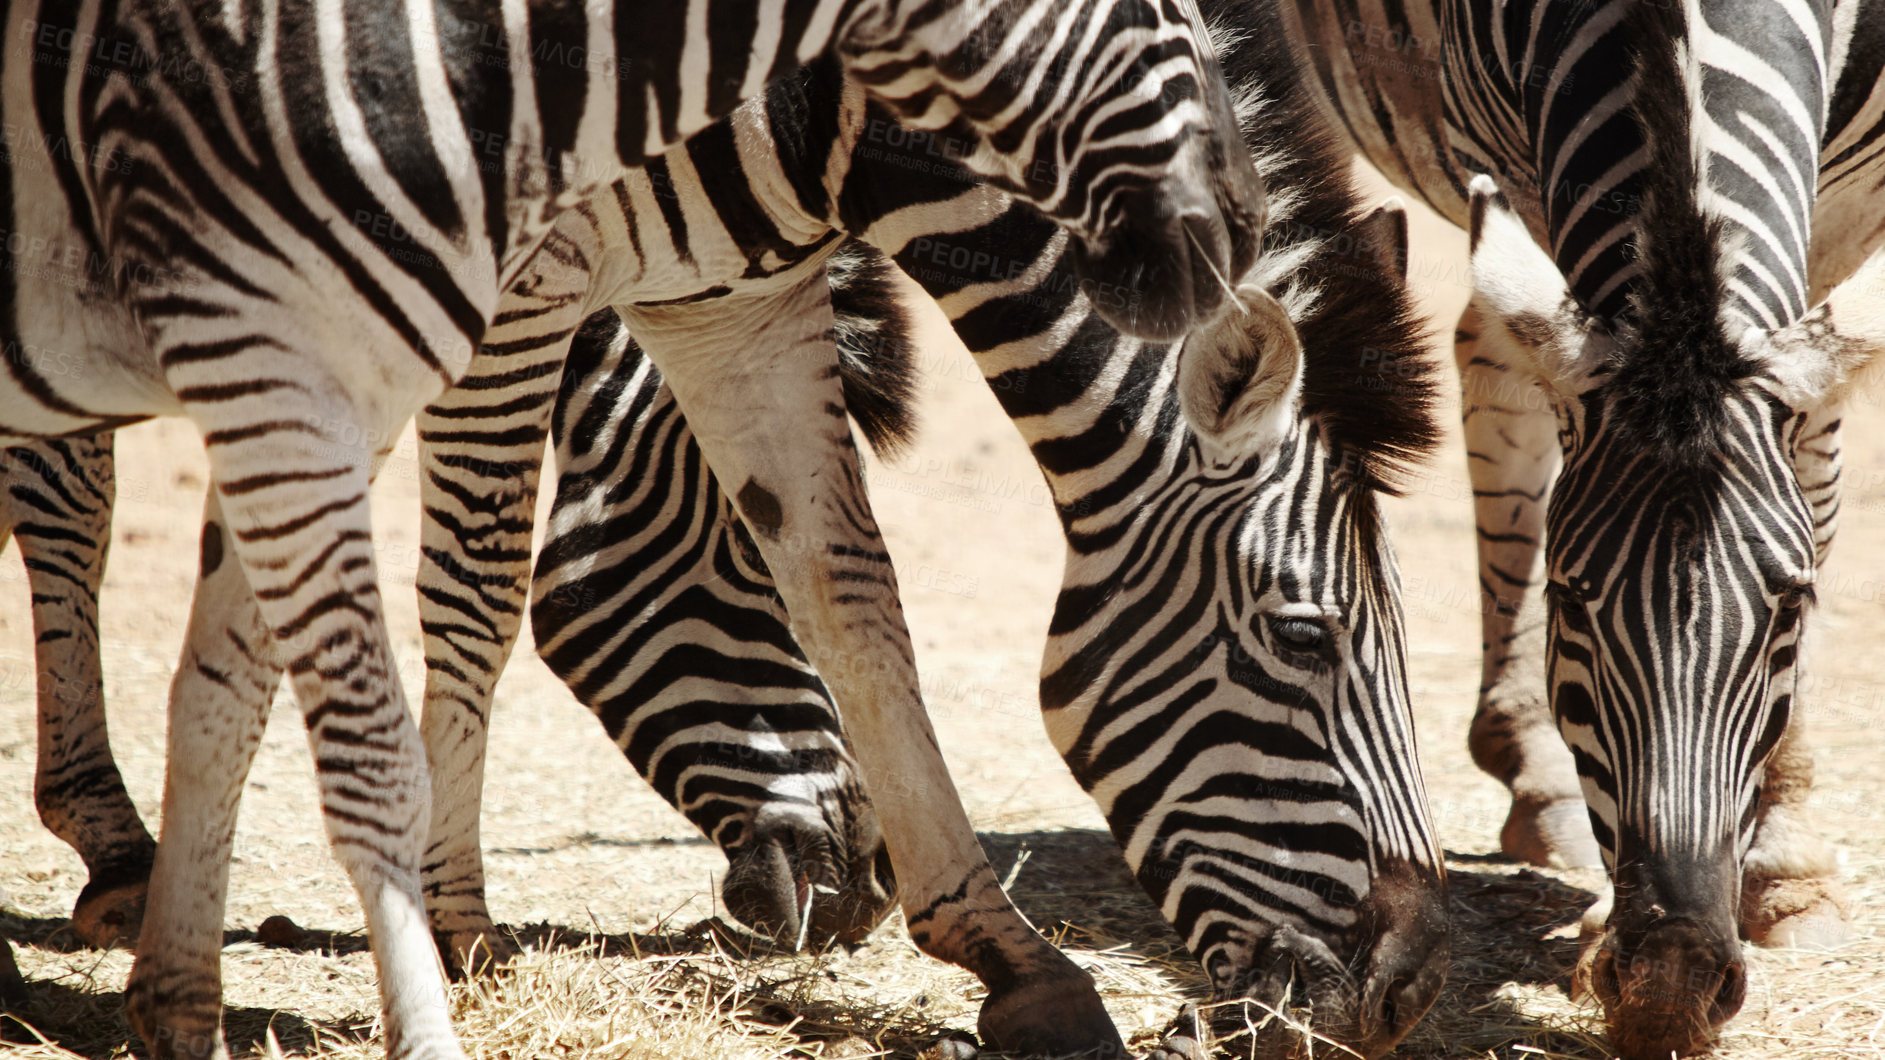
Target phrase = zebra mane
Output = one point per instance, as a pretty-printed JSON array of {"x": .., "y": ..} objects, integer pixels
[
  {"x": 1368, "y": 380},
  {"x": 1676, "y": 364}
]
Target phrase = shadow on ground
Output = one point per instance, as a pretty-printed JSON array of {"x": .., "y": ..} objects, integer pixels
[
  {"x": 1509, "y": 927},
  {"x": 92, "y": 1024},
  {"x": 1512, "y": 926}
]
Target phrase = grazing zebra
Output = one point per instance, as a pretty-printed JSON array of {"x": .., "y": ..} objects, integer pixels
[
  {"x": 1279, "y": 821},
  {"x": 1296, "y": 845},
  {"x": 1664, "y": 271},
  {"x": 291, "y": 222}
]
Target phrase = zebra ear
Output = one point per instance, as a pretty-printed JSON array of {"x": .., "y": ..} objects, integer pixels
[
  {"x": 1384, "y": 234},
  {"x": 1833, "y": 351},
  {"x": 1239, "y": 379},
  {"x": 1517, "y": 287}
]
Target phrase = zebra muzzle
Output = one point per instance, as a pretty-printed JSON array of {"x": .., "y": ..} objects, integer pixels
[{"x": 1168, "y": 255}]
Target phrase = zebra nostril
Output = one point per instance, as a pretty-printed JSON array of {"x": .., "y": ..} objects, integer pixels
[{"x": 1734, "y": 986}]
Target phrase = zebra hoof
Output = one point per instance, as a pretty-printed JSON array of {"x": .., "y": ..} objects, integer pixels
[
  {"x": 1059, "y": 1015},
  {"x": 1551, "y": 833},
  {"x": 1797, "y": 914},
  {"x": 111, "y": 913},
  {"x": 474, "y": 952}
]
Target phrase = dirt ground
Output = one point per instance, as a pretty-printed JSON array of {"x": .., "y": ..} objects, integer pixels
[{"x": 578, "y": 846}]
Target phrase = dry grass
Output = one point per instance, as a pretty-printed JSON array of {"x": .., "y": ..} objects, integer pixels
[{"x": 703, "y": 991}]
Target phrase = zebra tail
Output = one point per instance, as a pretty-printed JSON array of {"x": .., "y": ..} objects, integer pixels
[{"x": 876, "y": 359}]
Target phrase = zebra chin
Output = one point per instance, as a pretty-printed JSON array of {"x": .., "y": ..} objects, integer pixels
[
  {"x": 803, "y": 882},
  {"x": 1401, "y": 942},
  {"x": 1668, "y": 968}
]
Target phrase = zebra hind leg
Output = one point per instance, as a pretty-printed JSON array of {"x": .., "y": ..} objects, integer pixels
[
  {"x": 732, "y": 728},
  {"x": 307, "y": 553},
  {"x": 775, "y": 425},
  {"x": 1511, "y": 456},
  {"x": 58, "y": 503},
  {"x": 218, "y": 705},
  {"x": 480, "y": 454}
]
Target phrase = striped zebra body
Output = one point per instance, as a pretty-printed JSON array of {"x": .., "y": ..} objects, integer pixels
[
  {"x": 1299, "y": 848},
  {"x": 629, "y": 637},
  {"x": 1692, "y": 199},
  {"x": 272, "y": 219}
]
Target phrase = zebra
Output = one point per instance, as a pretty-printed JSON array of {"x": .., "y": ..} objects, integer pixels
[
  {"x": 1640, "y": 185},
  {"x": 274, "y": 220},
  {"x": 1326, "y": 871}
]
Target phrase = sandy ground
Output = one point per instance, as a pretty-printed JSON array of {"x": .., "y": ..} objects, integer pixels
[{"x": 575, "y": 840}]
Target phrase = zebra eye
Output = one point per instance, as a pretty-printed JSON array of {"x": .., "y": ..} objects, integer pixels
[
  {"x": 1298, "y": 634},
  {"x": 1796, "y": 598},
  {"x": 1568, "y": 606}
]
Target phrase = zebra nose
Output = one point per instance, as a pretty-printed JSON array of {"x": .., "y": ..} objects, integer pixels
[
  {"x": 1411, "y": 953},
  {"x": 1666, "y": 990},
  {"x": 1404, "y": 1000},
  {"x": 1169, "y": 253}
]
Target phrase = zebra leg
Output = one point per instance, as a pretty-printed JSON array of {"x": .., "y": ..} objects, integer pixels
[
  {"x": 58, "y": 504},
  {"x": 688, "y": 661},
  {"x": 1790, "y": 895},
  {"x": 299, "y": 523},
  {"x": 218, "y": 705},
  {"x": 1511, "y": 456},
  {"x": 480, "y": 452},
  {"x": 776, "y": 426}
]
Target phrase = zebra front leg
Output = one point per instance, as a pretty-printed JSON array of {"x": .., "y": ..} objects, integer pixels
[
  {"x": 759, "y": 381},
  {"x": 218, "y": 705},
  {"x": 1790, "y": 894},
  {"x": 731, "y": 727},
  {"x": 58, "y": 505},
  {"x": 1511, "y": 455}
]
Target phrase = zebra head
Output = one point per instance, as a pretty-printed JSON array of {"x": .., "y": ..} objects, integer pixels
[
  {"x": 1681, "y": 554},
  {"x": 1112, "y": 117},
  {"x": 1226, "y": 672}
]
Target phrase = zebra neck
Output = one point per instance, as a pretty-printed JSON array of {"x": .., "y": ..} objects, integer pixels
[
  {"x": 1758, "y": 113},
  {"x": 1100, "y": 415}
]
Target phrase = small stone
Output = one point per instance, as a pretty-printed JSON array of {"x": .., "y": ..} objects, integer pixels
[
  {"x": 954, "y": 1047},
  {"x": 280, "y": 931}
]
